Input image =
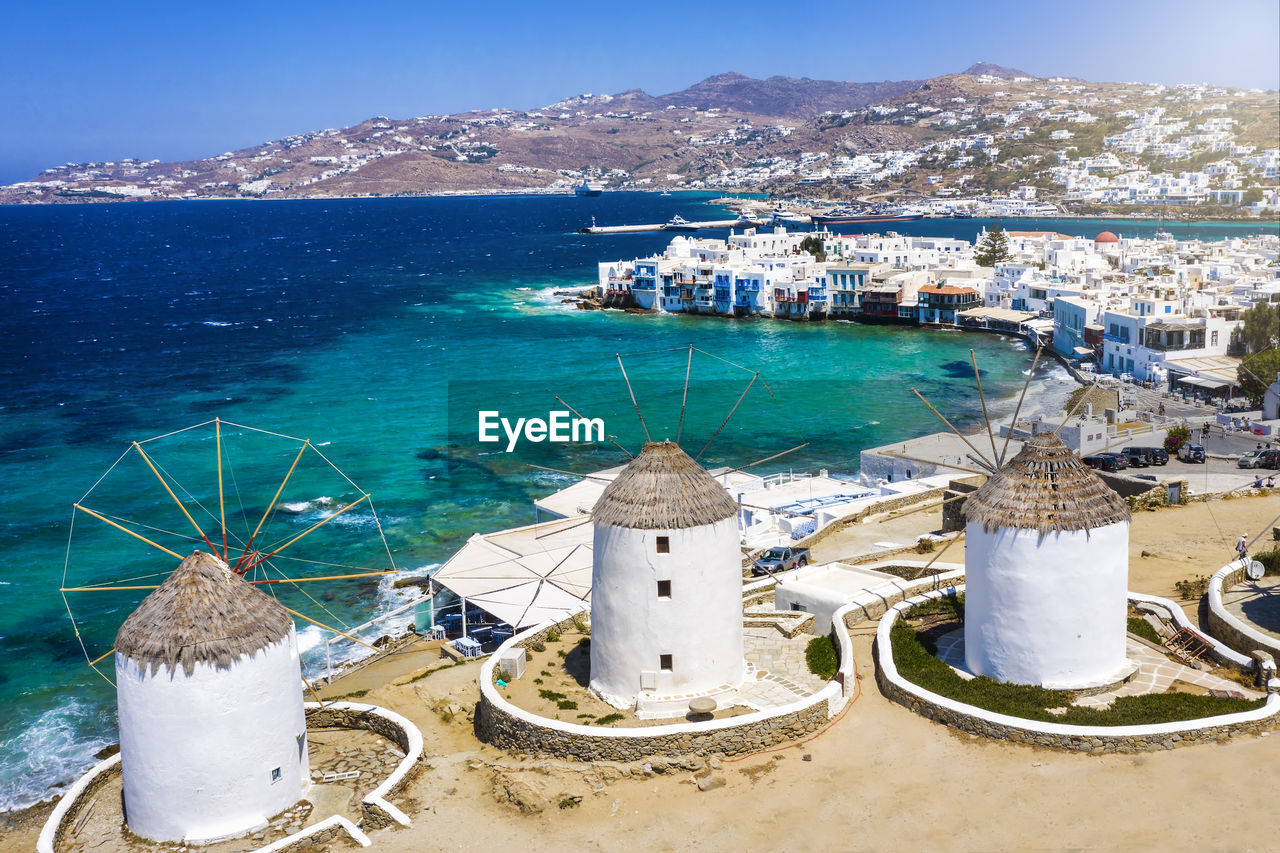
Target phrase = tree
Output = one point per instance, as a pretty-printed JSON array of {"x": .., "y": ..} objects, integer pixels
[
  {"x": 1257, "y": 372},
  {"x": 1252, "y": 195},
  {"x": 1261, "y": 328},
  {"x": 993, "y": 249},
  {"x": 813, "y": 245}
]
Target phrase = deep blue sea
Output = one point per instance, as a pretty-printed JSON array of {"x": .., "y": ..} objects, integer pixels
[{"x": 378, "y": 329}]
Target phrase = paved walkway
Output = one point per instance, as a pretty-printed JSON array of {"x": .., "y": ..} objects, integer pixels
[
  {"x": 1257, "y": 603},
  {"x": 1156, "y": 672},
  {"x": 777, "y": 673}
]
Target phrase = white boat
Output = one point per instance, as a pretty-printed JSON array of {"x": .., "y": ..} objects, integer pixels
[
  {"x": 588, "y": 188},
  {"x": 679, "y": 223}
]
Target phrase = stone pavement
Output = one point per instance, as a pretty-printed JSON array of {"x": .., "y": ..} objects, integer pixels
[
  {"x": 1156, "y": 672},
  {"x": 777, "y": 673},
  {"x": 1257, "y": 603}
]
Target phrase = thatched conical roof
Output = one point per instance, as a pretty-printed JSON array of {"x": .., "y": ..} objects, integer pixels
[
  {"x": 202, "y": 613},
  {"x": 1045, "y": 487},
  {"x": 663, "y": 489}
]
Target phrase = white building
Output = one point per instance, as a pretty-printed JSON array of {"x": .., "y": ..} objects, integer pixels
[
  {"x": 1046, "y": 572},
  {"x": 213, "y": 739},
  {"x": 666, "y": 585}
]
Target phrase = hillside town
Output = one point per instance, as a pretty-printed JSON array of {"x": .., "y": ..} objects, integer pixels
[
  {"x": 1158, "y": 310},
  {"x": 989, "y": 141}
]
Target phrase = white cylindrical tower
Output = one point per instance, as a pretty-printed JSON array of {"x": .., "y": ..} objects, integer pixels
[
  {"x": 213, "y": 739},
  {"x": 1046, "y": 572},
  {"x": 666, "y": 582}
]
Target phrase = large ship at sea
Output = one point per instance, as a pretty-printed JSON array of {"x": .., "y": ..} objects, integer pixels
[
  {"x": 588, "y": 188},
  {"x": 849, "y": 216}
]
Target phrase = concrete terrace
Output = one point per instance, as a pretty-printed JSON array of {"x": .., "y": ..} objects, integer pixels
[{"x": 1257, "y": 603}]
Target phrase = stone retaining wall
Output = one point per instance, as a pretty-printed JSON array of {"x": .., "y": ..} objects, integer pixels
[
  {"x": 509, "y": 727},
  {"x": 1092, "y": 739},
  {"x": 375, "y": 809},
  {"x": 501, "y": 728},
  {"x": 1228, "y": 627}
]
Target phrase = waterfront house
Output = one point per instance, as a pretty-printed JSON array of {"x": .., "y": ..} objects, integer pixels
[
  {"x": 845, "y": 281},
  {"x": 880, "y": 302},
  {"x": 938, "y": 303},
  {"x": 644, "y": 284}
]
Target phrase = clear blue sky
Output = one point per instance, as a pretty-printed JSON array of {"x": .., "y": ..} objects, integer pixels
[{"x": 176, "y": 80}]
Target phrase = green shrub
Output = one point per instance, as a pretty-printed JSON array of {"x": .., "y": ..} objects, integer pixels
[
  {"x": 551, "y": 695},
  {"x": 607, "y": 719},
  {"x": 553, "y": 636},
  {"x": 1175, "y": 438},
  {"x": 950, "y": 605},
  {"x": 1269, "y": 559},
  {"x": 567, "y": 705},
  {"x": 822, "y": 656},
  {"x": 913, "y": 654},
  {"x": 502, "y": 675},
  {"x": 1140, "y": 627},
  {"x": 924, "y": 546},
  {"x": 538, "y": 646},
  {"x": 1192, "y": 588}
]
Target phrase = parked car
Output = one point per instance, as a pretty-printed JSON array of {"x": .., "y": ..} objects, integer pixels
[
  {"x": 1101, "y": 462},
  {"x": 1250, "y": 459},
  {"x": 1137, "y": 456},
  {"x": 1158, "y": 455},
  {"x": 1269, "y": 458},
  {"x": 1192, "y": 453},
  {"x": 1122, "y": 461},
  {"x": 779, "y": 560}
]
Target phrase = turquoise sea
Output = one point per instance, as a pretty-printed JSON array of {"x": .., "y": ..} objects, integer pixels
[{"x": 378, "y": 329}]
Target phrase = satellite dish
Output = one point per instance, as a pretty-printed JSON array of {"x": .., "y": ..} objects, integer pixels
[{"x": 1255, "y": 570}]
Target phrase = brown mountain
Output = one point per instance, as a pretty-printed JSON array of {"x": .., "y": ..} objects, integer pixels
[
  {"x": 990, "y": 70},
  {"x": 783, "y": 97}
]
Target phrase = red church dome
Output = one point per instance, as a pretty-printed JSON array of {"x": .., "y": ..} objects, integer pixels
[{"x": 1106, "y": 237}]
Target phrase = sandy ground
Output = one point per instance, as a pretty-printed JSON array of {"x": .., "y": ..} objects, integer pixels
[{"x": 879, "y": 777}]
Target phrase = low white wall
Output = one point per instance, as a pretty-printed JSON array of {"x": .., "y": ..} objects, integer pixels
[
  {"x": 1238, "y": 633},
  {"x": 72, "y": 801},
  {"x": 1078, "y": 738},
  {"x": 834, "y": 696}
]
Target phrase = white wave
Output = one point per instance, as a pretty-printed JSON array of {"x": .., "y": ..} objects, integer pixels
[
  {"x": 321, "y": 503},
  {"x": 215, "y": 323},
  {"x": 310, "y": 637},
  {"x": 312, "y": 640},
  {"x": 43, "y": 759}
]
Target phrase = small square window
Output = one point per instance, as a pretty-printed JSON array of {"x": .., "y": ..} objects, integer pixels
[
  {"x": 664, "y": 663},
  {"x": 664, "y": 545},
  {"x": 275, "y": 775},
  {"x": 664, "y": 589}
]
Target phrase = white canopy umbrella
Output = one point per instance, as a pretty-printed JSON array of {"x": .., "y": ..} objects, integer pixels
[{"x": 526, "y": 575}]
